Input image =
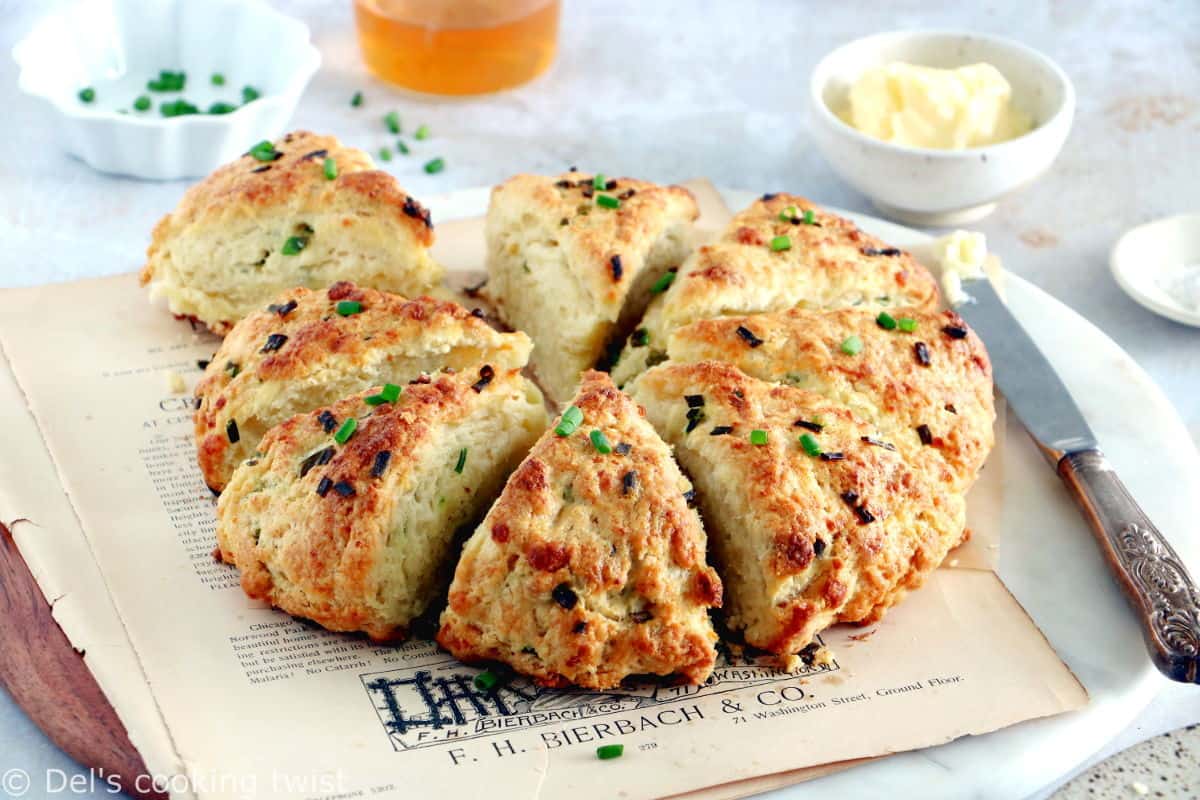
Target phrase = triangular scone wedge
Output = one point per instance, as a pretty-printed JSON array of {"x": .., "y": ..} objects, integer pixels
[
  {"x": 921, "y": 378},
  {"x": 261, "y": 225},
  {"x": 828, "y": 262},
  {"x": 591, "y": 565},
  {"x": 348, "y": 514},
  {"x": 802, "y": 540},
  {"x": 300, "y": 353},
  {"x": 575, "y": 274}
]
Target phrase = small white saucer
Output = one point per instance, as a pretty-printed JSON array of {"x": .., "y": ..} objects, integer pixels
[{"x": 1142, "y": 256}]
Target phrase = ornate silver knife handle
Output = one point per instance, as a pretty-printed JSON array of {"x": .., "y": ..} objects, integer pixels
[{"x": 1154, "y": 579}]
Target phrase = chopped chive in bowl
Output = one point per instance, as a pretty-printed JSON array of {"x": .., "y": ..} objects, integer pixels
[
  {"x": 250, "y": 94},
  {"x": 392, "y": 121},
  {"x": 435, "y": 166},
  {"x": 401, "y": 147},
  {"x": 385, "y": 154},
  {"x": 422, "y": 133},
  {"x": 217, "y": 79},
  {"x": 220, "y": 107},
  {"x": 87, "y": 94},
  {"x": 356, "y": 100},
  {"x": 142, "y": 103}
]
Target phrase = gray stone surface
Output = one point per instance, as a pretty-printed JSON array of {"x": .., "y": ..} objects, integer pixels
[
  {"x": 671, "y": 90},
  {"x": 1167, "y": 766}
]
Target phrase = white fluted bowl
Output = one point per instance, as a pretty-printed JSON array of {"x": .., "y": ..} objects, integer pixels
[{"x": 116, "y": 46}]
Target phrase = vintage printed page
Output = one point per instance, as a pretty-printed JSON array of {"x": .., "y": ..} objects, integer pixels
[{"x": 259, "y": 704}]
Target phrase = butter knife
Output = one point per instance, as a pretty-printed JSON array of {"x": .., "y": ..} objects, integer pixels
[{"x": 1158, "y": 587}]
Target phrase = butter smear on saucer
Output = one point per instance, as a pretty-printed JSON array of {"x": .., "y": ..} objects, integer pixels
[{"x": 944, "y": 109}]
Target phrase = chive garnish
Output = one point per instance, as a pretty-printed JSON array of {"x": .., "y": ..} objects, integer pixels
[
  {"x": 628, "y": 482},
  {"x": 422, "y": 133},
  {"x": 328, "y": 421},
  {"x": 694, "y": 400},
  {"x": 486, "y": 373},
  {"x": 330, "y": 168},
  {"x": 663, "y": 282},
  {"x": 484, "y": 681},
  {"x": 349, "y": 308},
  {"x": 788, "y": 214},
  {"x": 274, "y": 342},
  {"x": 607, "y": 201},
  {"x": 344, "y": 489},
  {"x": 571, "y": 419},
  {"x": 217, "y": 79},
  {"x": 878, "y": 443},
  {"x": 598, "y": 182},
  {"x": 142, "y": 103},
  {"x": 600, "y": 442},
  {"x": 462, "y": 461},
  {"x": 758, "y": 437},
  {"x": 380, "y": 464},
  {"x": 356, "y": 100},
  {"x": 233, "y": 369},
  {"x": 265, "y": 151},
  {"x": 640, "y": 338},
  {"x": 815, "y": 427},
  {"x": 809, "y": 217},
  {"x": 833, "y": 456},
  {"x": 617, "y": 268},
  {"x": 922, "y": 352},
  {"x": 610, "y": 751},
  {"x": 346, "y": 431},
  {"x": 294, "y": 245},
  {"x": 907, "y": 324},
  {"x": 749, "y": 336},
  {"x": 818, "y": 546},
  {"x": 695, "y": 416},
  {"x": 250, "y": 94},
  {"x": 390, "y": 393},
  {"x": 781, "y": 243},
  {"x": 324, "y": 485},
  {"x": 87, "y": 94},
  {"x": 385, "y": 154},
  {"x": 886, "y": 321},
  {"x": 852, "y": 345},
  {"x": 810, "y": 444},
  {"x": 435, "y": 166},
  {"x": 392, "y": 121},
  {"x": 721, "y": 430},
  {"x": 231, "y": 431},
  {"x": 865, "y": 517},
  {"x": 565, "y": 596}
]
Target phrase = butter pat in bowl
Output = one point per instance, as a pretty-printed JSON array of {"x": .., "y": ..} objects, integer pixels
[{"x": 935, "y": 127}]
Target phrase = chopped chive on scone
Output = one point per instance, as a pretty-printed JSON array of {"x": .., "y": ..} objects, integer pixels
[
  {"x": 302, "y": 211},
  {"x": 781, "y": 252},
  {"x": 307, "y": 349},
  {"x": 347, "y": 515},
  {"x": 591, "y": 565},
  {"x": 922, "y": 379},
  {"x": 573, "y": 260},
  {"x": 812, "y": 519}
]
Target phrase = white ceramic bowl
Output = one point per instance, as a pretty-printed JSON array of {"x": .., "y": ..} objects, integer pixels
[
  {"x": 941, "y": 187},
  {"x": 116, "y": 46},
  {"x": 1142, "y": 258}
]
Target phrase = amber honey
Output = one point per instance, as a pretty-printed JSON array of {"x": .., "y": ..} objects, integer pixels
[{"x": 457, "y": 46}]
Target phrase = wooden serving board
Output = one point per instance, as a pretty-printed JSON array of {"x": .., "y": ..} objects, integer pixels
[{"x": 49, "y": 680}]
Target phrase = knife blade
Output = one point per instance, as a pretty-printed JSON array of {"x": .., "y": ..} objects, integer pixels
[{"x": 1154, "y": 579}]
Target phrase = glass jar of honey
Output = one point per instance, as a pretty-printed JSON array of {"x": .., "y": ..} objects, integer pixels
[{"x": 457, "y": 46}]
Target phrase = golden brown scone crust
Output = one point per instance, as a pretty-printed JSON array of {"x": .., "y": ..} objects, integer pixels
[
  {"x": 886, "y": 384},
  {"x": 573, "y": 274},
  {"x": 359, "y": 546},
  {"x": 581, "y": 575},
  {"x": 255, "y": 382},
  {"x": 797, "y": 552},
  {"x": 216, "y": 256},
  {"x": 831, "y": 264}
]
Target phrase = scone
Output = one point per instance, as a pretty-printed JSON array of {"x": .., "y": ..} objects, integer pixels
[
  {"x": 811, "y": 521},
  {"x": 274, "y": 219},
  {"x": 779, "y": 253},
  {"x": 311, "y": 348},
  {"x": 348, "y": 515},
  {"x": 574, "y": 273},
  {"x": 922, "y": 379},
  {"x": 591, "y": 565}
]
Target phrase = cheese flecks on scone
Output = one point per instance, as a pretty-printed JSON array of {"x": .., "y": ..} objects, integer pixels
[
  {"x": 272, "y": 220},
  {"x": 591, "y": 565},
  {"x": 348, "y": 514},
  {"x": 574, "y": 273},
  {"x": 812, "y": 520},
  {"x": 922, "y": 379},
  {"x": 781, "y": 252},
  {"x": 307, "y": 349}
]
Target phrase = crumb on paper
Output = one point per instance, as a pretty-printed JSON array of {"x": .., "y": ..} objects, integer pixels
[
  {"x": 1140, "y": 788},
  {"x": 952, "y": 562},
  {"x": 176, "y": 383},
  {"x": 862, "y": 637}
]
